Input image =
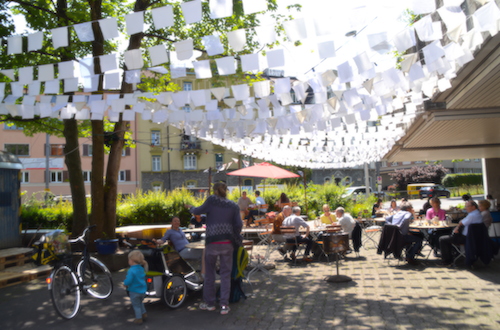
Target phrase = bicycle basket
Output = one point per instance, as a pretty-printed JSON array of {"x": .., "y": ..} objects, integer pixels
[{"x": 51, "y": 247}]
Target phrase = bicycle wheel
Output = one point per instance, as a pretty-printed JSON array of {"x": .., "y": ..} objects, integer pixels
[
  {"x": 96, "y": 279},
  {"x": 64, "y": 292},
  {"x": 174, "y": 291}
]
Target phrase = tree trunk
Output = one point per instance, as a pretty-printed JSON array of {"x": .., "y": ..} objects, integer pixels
[
  {"x": 74, "y": 165},
  {"x": 97, "y": 216},
  {"x": 111, "y": 186}
]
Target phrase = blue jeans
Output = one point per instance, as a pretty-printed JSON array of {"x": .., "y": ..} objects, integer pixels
[
  {"x": 225, "y": 253},
  {"x": 137, "y": 304}
]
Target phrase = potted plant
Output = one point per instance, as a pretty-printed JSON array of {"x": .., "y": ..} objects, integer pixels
[{"x": 106, "y": 245}]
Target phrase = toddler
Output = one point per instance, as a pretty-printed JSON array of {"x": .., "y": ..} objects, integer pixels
[{"x": 136, "y": 284}]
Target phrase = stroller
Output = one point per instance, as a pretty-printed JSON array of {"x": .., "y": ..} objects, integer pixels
[{"x": 169, "y": 276}]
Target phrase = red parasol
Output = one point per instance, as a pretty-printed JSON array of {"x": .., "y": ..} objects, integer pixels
[{"x": 264, "y": 170}]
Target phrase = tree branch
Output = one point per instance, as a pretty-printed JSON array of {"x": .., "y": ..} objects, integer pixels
[{"x": 28, "y": 4}]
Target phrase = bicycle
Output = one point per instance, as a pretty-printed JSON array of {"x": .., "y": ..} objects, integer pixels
[{"x": 66, "y": 283}]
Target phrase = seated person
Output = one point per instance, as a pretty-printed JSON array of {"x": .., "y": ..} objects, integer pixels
[
  {"x": 179, "y": 240},
  {"x": 402, "y": 219},
  {"x": 258, "y": 201},
  {"x": 296, "y": 221},
  {"x": 393, "y": 208},
  {"x": 285, "y": 213},
  {"x": 244, "y": 203},
  {"x": 376, "y": 207},
  {"x": 436, "y": 212},
  {"x": 282, "y": 200},
  {"x": 327, "y": 217},
  {"x": 484, "y": 208},
  {"x": 445, "y": 242},
  {"x": 197, "y": 221},
  {"x": 345, "y": 221}
]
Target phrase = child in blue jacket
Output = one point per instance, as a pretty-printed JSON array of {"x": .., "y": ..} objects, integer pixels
[{"x": 136, "y": 284}]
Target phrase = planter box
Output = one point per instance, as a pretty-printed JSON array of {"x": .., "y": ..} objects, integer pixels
[{"x": 106, "y": 246}]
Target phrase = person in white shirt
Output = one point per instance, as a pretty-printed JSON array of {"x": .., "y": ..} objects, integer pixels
[
  {"x": 296, "y": 221},
  {"x": 345, "y": 221},
  {"x": 445, "y": 242}
]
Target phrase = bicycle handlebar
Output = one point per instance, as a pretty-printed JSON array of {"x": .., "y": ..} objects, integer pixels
[{"x": 83, "y": 236}]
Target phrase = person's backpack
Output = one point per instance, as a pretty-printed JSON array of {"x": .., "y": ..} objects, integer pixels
[{"x": 240, "y": 262}]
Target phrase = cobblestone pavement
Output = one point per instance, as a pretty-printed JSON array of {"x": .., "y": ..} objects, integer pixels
[{"x": 381, "y": 295}]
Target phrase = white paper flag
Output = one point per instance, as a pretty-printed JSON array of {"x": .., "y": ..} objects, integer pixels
[
  {"x": 202, "y": 69},
  {"x": 221, "y": 8},
  {"x": 158, "y": 55},
  {"x": 275, "y": 58},
  {"x": 405, "y": 39},
  {"x": 60, "y": 37},
  {"x": 241, "y": 92},
  {"x": 452, "y": 16},
  {"x": 212, "y": 44},
  {"x": 34, "y": 88},
  {"x": 14, "y": 45},
  {"x": 265, "y": 34},
  {"x": 282, "y": 85},
  {"x": 84, "y": 31},
  {"x": 250, "y": 62},
  {"x": 163, "y": 17},
  {"x": 237, "y": 39},
  {"x": 86, "y": 67},
  {"x": 295, "y": 29},
  {"x": 26, "y": 75},
  {"x": 108, "y": 62},
  {"x": 66, "y": 69},
  {"x": 254, "y": 6},
  {"x": 52, "y": 87},
  {"x": 35, "y": 41},
  {"x": 112, "y": 80},
  {"x": 184, "y": 48},
  {"x": 109, "y": 28},
  {"x": 191, "y": 11},
  {"x": 326, "y": 49},
  {"x": 226, "y": 65},
  {"x": 423, "y": 6},
  {"x": 46, "y": 72},
  {"x": 133, "y": 59},
  {"x": 91, "y": 84},
  {"x": 134, "y": 22},
  {"x": 70, "y": 85}
]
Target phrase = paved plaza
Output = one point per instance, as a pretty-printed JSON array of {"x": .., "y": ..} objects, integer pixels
[{"x": 382, "y": 295}]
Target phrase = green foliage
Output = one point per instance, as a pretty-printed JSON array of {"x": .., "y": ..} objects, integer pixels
[
  {"x": 156, "y": 207},
  {"x": 477, "y": 189},
  {"x": 418, "y": 174},
  {"x": 461, "y": 179},
  {"x": 39, "y": 214}
]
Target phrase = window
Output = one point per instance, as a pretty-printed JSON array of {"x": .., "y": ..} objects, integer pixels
[
  {"x": 18, "y": 149},
  {"x": 56, "y": 176},
  {"x": 157, "y": 186},
  {"x": 219, "y": 160},
  {"x": 156, "y": 163},
  {"x": 187, "y": 108},
  {"x": 87, "y": 150},
  {"x": 126, "y": 151},
  {"x": 248, "y": 182},
  {"x": 190, "y": 162},
  {"x": 25, "y": 177},
  {"x": 191, "y": 183},
  {"x": 87, "y": 176},
  {"x": 124, "y": 175},
  {"x": 55, "y": 150},
  {"x": 187, "y": 86},
  {"x": 12, "y": 127},
  {"x": 155, "y": 138}
]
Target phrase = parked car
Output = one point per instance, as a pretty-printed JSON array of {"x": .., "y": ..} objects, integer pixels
[
  {"x": 433, "y": 191},
  {"x": 352, "y": 192}
]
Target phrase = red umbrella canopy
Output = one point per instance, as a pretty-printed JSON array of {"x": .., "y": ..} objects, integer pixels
[{"x": 264, "y": 170}]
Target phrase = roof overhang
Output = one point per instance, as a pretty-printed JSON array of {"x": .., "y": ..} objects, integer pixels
[{"x": 469, "y": 126}]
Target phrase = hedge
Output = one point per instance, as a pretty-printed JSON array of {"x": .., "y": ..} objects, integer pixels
[{"x": 462, "y": 179}]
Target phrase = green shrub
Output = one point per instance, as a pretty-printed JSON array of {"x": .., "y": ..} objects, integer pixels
[
  {"x": 156, "y": 207},
  {"x": 37, "y": 215},
  {"x": 462, "y": 179}
]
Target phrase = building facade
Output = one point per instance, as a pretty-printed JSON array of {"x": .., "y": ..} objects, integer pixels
[{"x": 32, "y": 153}]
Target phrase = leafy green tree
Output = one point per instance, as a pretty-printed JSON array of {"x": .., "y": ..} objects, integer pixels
[{"x": 48, "y": 14}]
